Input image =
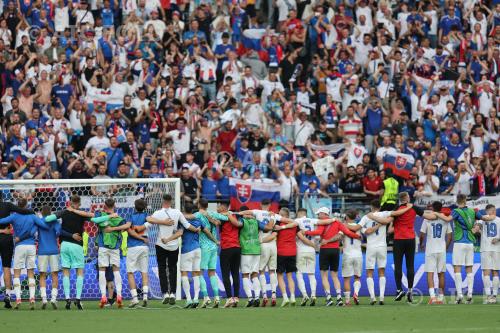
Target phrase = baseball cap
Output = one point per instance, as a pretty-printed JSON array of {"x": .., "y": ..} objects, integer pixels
[{"x": 324, "y": 210}]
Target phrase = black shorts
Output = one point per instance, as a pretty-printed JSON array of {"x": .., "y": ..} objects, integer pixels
[
  {"x": 6, "y": 250},
  {"x": 329, "y": 259},
  {"x": 110, "y": 276},
  {"x": 286, "y": 264}
]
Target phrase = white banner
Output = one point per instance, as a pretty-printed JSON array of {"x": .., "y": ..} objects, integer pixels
[
  {"x": 426, "y": 83},
  {"x": 450, "y": 200},
  {"x": 92, "y": 202},
  {"x": 323, "y": 167}
]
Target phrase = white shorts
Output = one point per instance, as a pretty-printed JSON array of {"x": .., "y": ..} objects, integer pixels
[
  {"x": 108, "y": 257},
  {"x": 463, "y": 254},
  {"x": 190, "y": 262},
  {"x": 268, "y": 257},
  {"x": 490, "y": 260},
  {"x": 137, "y": 259},
  {"x": 306, "y": 262},
  {"x": 249, "y": 263},
  {"x": 376, "y": 256},
  {"x": 44, "y": 261},
  {"x": 24, "y": 257},
  {"x": 351, "y": 266},
  {"x": 435, "y": 262}
]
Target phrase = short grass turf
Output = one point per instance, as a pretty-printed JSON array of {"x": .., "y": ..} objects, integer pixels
[{"x": 392, "y": 317}]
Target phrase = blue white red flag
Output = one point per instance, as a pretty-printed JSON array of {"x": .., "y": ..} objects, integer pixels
[
  {"x": 401, "y": 164},
  {"x": 250, "y": 193}
]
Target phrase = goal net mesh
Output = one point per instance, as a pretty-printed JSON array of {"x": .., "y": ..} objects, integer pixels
[{"x": 93, "y": 193}]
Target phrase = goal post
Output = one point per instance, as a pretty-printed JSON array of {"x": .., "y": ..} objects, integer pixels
[{"x": 93, "y": 192}]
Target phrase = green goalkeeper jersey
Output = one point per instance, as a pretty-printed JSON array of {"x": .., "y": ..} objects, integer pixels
[
  {"x": 249, "y": 236},
  {"x": 206, "y": 243}
]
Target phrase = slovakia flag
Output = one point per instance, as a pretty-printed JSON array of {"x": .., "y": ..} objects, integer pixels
[
  {"x": 401, "y": 164},
  {"x": 251, "y": 193}
]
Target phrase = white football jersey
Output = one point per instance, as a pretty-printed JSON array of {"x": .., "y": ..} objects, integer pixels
[
  {"x": 351, "y": 246},
  {"x": 306, "y": 224},
  {"x": 436, "y": 231},
  {"x": 376, "y": 239},
  {"x": 266, "y": 216},
  {"x": 490, "y": 230}
]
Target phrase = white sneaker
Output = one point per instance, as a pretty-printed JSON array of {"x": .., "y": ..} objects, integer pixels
[{"x": 165, "y": 299}]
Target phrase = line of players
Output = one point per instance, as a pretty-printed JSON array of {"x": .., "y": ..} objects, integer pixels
[{"x": 250, "y": 242}]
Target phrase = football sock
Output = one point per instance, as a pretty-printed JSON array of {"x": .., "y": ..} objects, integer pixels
[
  {"x": 54, "y": 294},
  {"x": 301, "y": 284},
  {"x": 186, "y": 287},
  {"x": 470, "y": 284},
  {"x": 339, "y": 293},
  {"x": 145, "y": 291},
  {"x": 102, "y": 283},
  {"x": 487, "y": 285},
  {"x": 458, "y": 284},
  {"x": 133, "y": 293},
  {"x": 263, "y": 285},
  {"x": 196, "y": 287},
  {"x": 247, "y": 286},
  {"x": 17, "y": 288},
  {"x": 274, "y": 281},
  {"x": 371, "y": 287},
  {"x": 214, "y": 282},
  {"x": 203, "y": 286},
  {"x": 495, "y": 283},
  {"x": 313, "y": 284},
  {"x": 432, "y": 292},
  {"x": 256, "y": 287},
  {"x": 347, "y": 295},
  {"x": 31, "y": 288},
  {"x": 357, "y": 287},
  {"x": 118, "y": 283},
  {"x": 66, "y": 286},
  {"x": 381, "y": 286},
  {"x": 79, "y": 286},
  {"x": 43, "y": 294}
]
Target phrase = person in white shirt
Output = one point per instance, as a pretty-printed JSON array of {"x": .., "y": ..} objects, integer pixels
[
  {"x": 181, "y": 136},
  {"x": 429, "y": 180},
  {"x": 98, "y": 142},
  {"x": 167, "y": 246},
  {"x": 303, "y": 130},
  {"x": 376, "y": 247},
  {"x": 490, "y": 252},
  {"x": 438, "y": 237},
  {"x": 384, "y": 150},
  {"x": 352, "y": 259}
]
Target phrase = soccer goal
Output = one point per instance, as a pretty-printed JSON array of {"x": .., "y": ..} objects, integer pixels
[{"x": 93, "y": 192}]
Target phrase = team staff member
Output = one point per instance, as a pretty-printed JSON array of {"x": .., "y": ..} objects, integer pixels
[
  {"x": 230, "y": 256},
  {"x": 287, "y": 257},
  {"x": 404, "y": 243},
  {"x": 7, "y": 246}
]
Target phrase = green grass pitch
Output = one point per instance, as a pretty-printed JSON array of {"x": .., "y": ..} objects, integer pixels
[{"x": 390, "y": 318}]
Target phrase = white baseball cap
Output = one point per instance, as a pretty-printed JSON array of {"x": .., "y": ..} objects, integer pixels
[{"x": 325, "y": 210}]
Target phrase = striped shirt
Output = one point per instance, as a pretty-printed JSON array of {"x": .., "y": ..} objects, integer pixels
[{"x": 352, "y": 127}]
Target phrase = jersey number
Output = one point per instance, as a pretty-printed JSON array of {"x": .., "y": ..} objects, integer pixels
[
  {"x": 437, "y": 230},
  {"x": 491, "y": 229}
]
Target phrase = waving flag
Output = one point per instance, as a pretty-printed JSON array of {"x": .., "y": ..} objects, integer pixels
[
  {"x": 401, "y": 164},
  {"x": 250, "y": 193}
]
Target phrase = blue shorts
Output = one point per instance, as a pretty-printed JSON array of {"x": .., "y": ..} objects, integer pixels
[{"x": 208, "y": 259}]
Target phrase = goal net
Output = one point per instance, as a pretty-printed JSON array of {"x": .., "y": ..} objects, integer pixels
[{"x": 93, "y": 192}]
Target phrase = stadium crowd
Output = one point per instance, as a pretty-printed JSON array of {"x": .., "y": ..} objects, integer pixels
[{"x": 208, "y": 90}]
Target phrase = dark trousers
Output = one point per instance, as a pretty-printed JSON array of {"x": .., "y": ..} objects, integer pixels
[
  {"x": 230, "y": 265},
  {"x": 167, "y": 260},
  {"x": 404, "y": 248}
]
